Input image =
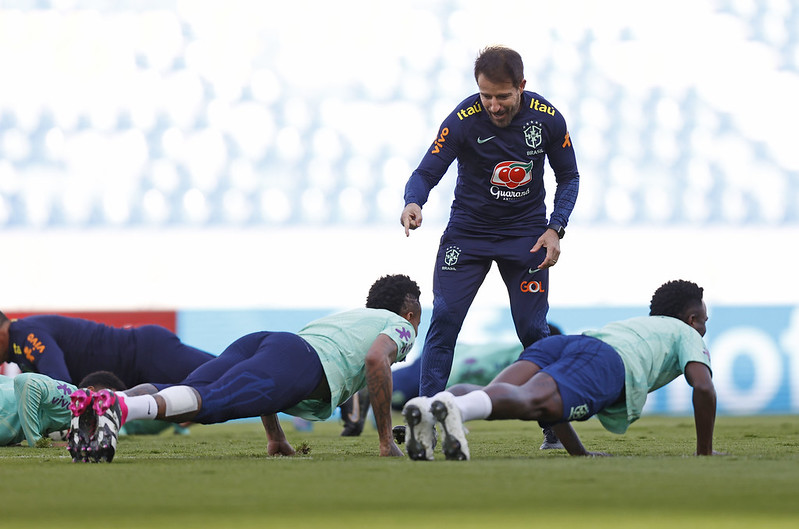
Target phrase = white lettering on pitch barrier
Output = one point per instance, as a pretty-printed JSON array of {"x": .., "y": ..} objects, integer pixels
[
  {"x": 790, "y": 343},
  {"x": 757, "y": 350}
]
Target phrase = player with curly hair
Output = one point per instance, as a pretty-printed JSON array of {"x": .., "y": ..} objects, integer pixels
[
  {"x": 606, "y": 372},
  {"x": 307, "y": 374},
  {"x": 670, "y": 300}
]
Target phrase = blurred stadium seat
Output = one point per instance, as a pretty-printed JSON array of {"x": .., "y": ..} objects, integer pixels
[{"x": 222, "y": 114}]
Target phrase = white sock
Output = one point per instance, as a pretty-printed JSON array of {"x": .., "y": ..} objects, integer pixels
[
  {"x": 141, "y": 407},
  {"x": 179, "y": 400},
  {"x": 474, "y": 405}
]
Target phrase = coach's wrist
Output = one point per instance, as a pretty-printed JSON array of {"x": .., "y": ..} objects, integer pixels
[{"x": 557, "y": 228}]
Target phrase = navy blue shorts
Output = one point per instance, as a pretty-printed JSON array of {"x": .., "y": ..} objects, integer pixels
[
  {"x": 589, "y": 373},
  {"x": 259, "y": 374}
]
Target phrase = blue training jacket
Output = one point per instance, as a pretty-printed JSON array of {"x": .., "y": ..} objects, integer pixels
[{"x": 500, "y": 186}]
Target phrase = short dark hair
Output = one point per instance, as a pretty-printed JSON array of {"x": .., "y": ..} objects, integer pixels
[
  {"x": 500, "y": 64},
  {"x": 674, "y": 298},
  {"x": 3, "y": 317},
  {"x": 397, "y": 293},
  {"x": 103, "y": 380}
]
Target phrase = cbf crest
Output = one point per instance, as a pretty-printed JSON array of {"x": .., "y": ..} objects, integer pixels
[
  {"x": 532, "y": 134},
  {"x": 451, "y": 256}
]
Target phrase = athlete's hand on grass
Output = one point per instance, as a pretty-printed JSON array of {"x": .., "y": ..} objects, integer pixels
[
  {"x": 279, "y": 448},
  {"x": 390, "y": 450},
  {"x": 411, "y": 217}
]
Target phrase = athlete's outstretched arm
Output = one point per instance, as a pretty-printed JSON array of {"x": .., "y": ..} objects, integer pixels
[
  {"x": 278, "y": 444},
  {"x": 704, "y": 399},
  {"x": 571, "y": 442},
  {"x": 379, "y": 358}
]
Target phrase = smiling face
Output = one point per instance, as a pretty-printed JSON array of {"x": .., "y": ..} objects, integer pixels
[{"x": 501, "y": 100}]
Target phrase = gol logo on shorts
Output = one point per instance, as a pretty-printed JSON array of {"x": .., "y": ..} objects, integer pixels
[{"x": 532, "y": 286}]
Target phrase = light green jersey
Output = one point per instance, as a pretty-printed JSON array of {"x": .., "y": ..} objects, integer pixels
[
  {"x": 10, "y": 430},
  {"x": 342, "y": 341},
  {"x": 42, "y": 405},
  {"x": 479, "y": 364},
  {"x": 655, "y": 351},
  {"x": 32, "y": 406}
]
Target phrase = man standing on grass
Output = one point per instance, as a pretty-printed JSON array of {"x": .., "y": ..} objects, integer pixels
[
  {"x": 307, "y": 374},
  {"x": 606, "y": 372},
  {"x": 502, "y": 137}
]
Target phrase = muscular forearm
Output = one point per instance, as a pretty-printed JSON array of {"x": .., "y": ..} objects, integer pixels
[
  {"x": 568, "y": 437},
  {"x": 378, "y": 380},
  {"x": 274, "y": 432},
  {"x": 380, "y": 387},
  {"x": 278, "y": 444},
  {"x": 704, "y": 400}
]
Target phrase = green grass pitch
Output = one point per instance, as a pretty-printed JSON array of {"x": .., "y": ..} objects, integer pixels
[{"x": 220, "y": 477}]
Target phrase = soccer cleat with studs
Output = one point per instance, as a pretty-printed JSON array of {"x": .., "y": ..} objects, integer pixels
[
  {"x": 107, "y": 406},
  {"x": 399, "y": 433},
  {"x": 82, "y": 426},
  {"x": 420, "y": 429},
  {"x": 448, "y": 415}
]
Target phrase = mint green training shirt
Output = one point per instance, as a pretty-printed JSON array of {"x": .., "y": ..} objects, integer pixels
[
  {"x": 33, "y": 406},
  {"x": 10, "y": 430},
  {"x": 655, "y": 351},
  {"x": 479, "y": 364},
  {"x": 42, "y": 405},
  {"x": 342, "y": 341}
]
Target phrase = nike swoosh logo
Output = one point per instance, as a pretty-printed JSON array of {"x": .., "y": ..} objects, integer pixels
[
  {"x": 481, "y": 140},
  {"x": 532, "y": 271}
]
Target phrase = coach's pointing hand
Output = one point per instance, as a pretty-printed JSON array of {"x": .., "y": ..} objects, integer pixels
[{"x": 411, "y": 217}]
